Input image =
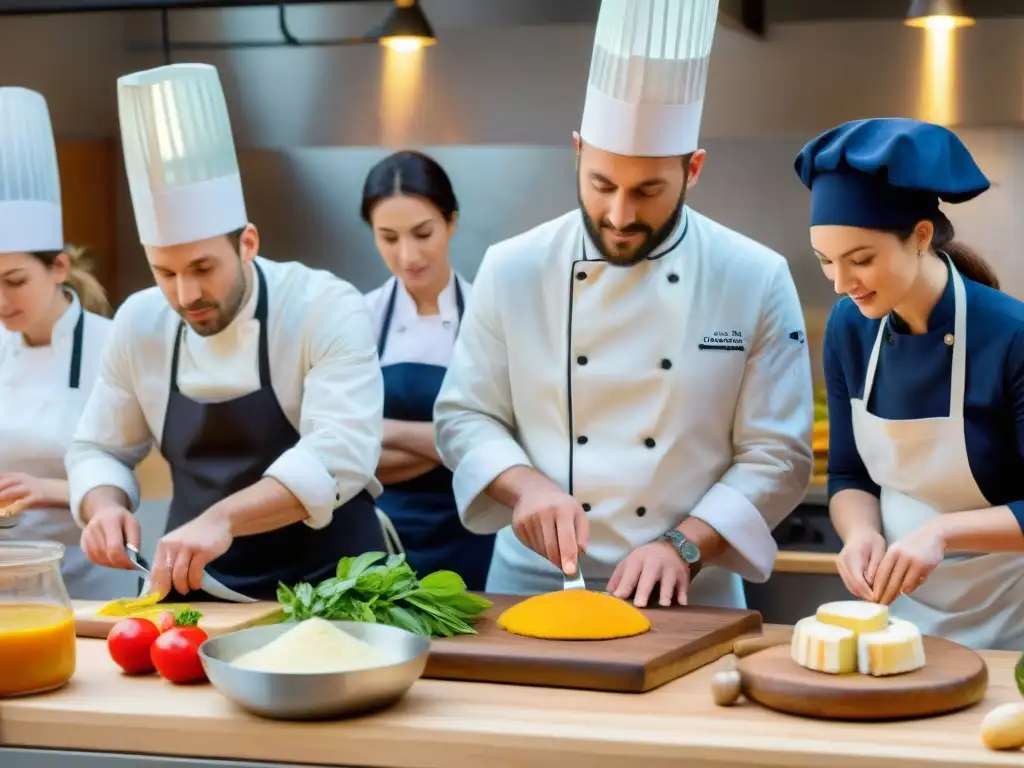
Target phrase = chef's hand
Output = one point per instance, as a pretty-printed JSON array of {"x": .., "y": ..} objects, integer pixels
[
  {"x": 183, "y": 554},
  {"x": 28, "y": 491},
  {"x": 648, "y": 565},
  {"x": 108, "y": 530},
  {"x": 553, "y": 524},
  {"x": 908, "y": 564},
  {"x": 859, "y": 560}
]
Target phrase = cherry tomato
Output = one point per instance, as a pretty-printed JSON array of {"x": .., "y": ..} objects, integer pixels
[
  {"x": 166, "y": 621},
  {"x": 129, "y": 644},
  {"x": 175, "y": 654}
]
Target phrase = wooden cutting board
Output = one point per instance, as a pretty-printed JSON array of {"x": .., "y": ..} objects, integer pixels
[
  {"x": 218, "y": 618},
  {"x": 680, "y": 640},
  {"x": 954, "y": 677}
]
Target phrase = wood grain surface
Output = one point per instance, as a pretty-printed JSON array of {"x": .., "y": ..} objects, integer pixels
[
  {"x": 680, "y": 640},
  {"x": 820, "y": 563},
  {"x": 953, "y": 677},
  {"x": 217, "y": 619},
  {"x": 442, "y": 724}
]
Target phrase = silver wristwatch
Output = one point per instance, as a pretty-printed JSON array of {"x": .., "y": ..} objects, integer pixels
[{"x": 686, "y": 549}]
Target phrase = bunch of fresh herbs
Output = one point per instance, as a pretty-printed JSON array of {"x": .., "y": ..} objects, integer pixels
[{"x": 366, "y": 589}]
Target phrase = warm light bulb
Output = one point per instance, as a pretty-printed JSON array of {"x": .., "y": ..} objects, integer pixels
[
  {"x": 940, "y": 22},
  {"x": 401, "y": 44}
]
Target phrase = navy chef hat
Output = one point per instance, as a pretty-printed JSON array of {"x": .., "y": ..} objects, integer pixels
[{"x": 886, "y": 173}]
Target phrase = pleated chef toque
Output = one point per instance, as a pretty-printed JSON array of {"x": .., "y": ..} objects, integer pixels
[
  {"x": 179, "y": 154},
  {"x": 648, "y": 72},
  {"x": 30, "y": 205}
]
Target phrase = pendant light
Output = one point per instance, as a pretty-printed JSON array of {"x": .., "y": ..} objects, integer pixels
[
  {"x": 406, "y": 28},
  {"x": 938, "y": 14}
]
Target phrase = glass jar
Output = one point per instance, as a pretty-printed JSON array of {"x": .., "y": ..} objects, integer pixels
[{"x": 37, "y": 621}]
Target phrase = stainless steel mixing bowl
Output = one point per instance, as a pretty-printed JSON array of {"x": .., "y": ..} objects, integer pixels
[{"x": 289, "y": 696}]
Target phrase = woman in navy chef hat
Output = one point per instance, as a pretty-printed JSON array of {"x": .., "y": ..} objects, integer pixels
[{"x": 924, "y": 369}]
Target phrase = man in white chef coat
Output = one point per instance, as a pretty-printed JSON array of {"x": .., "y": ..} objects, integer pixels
[
  {"x": 631, "y": 390},
  {"x": 258, "y": 380}
]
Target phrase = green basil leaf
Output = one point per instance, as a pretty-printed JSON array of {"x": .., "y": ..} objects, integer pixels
[
  {"x": 344, "y": 566},
  {"x": 363, "y": 562},
  {"x": 408, "y": 620},
  {"x": 443, "y": 584},
  {"x": 394, "y": 561}
]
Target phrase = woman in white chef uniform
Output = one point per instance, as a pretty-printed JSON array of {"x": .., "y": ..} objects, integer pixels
[
  {"x": 409, "y": 202},
  {"x": 924, "y": 367},
  {"x": 53, "y": 335}
]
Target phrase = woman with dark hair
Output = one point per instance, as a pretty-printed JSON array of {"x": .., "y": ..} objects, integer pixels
[
  {"x": 409, "y": 203},
  {"x": 924, "y": 368},
  {"x": 53, "y": 330}
]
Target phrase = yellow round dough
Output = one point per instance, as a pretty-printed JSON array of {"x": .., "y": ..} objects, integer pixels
[{"x": 574, "y": 614}]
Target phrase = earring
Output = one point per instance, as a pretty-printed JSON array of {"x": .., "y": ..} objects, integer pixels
[{"x": 920, "y": 254}]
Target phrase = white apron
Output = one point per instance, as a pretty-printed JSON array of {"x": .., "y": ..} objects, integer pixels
[
  {"x": 38, "y": 415},
  {"x": 922, "y": 468}
]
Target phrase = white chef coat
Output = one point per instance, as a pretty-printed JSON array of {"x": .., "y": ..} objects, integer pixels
[
  {"x": 416, "y": 338},
  {"x": 680, "y": 386},
  {"x": 324, "y": 372},
  {"x": 38, "y": 415}
]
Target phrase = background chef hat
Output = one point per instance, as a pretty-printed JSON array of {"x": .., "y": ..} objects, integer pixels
[
  {"x": 886, "y": 173},
  {"x": 648, "y": 72},
  {"x": 30, "y": 205},
  {"x": 179, "y": 154}
]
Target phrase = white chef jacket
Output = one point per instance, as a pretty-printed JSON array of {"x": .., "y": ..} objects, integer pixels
[
  {"x": 416, "y": 338},
  {"x": 680, "y": 386},
  {"x": 38, "y": 415},
  {"x": 323, "y": 368}
]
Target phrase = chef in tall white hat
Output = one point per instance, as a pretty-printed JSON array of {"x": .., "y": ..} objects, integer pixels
[
  {"x": 630, "y": 395},
  {"x": 53, "y": 328},
  {"x": 258, "y": 380}
]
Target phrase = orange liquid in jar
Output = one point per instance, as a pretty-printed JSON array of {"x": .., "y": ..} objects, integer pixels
[{"x": 37, "y": 647}]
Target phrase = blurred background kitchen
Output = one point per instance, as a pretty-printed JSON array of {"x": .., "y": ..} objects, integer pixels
[{"x": 318, "y": 92}]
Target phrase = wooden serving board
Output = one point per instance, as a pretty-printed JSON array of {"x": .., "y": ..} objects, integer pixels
[
  {"x": 954, "y": 677},
  {"x": 217, "y": 619},
  {"x": 680, "y": 640}
]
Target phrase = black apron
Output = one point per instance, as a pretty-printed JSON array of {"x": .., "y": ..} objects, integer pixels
[
  {"x": 217, "y": 449},
  {"x": 75, "y": 373},
  {"x": 423, "y": 509}
]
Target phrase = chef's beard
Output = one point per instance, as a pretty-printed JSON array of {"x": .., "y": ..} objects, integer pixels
[
  {"x": 226, "y": 310},
  {"x": 653, "y": 238}
]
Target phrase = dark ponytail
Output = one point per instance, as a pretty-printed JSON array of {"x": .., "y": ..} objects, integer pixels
[{"x": 966, "y": 260}]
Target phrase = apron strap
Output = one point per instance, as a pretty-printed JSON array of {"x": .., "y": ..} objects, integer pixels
[
  {"x": 262, "y": 302},
  {"x": 460, "y": 303},
  {"x": 260, "y": 316},
  {"x": 869, "y": 377},
  {"x": 75, "y": 375},
  {"x": 389, "y": 312},
  {"x": 958, "y": 374}
]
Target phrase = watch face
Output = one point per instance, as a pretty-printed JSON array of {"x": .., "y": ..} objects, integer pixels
[{"x": 689, "y": 551}]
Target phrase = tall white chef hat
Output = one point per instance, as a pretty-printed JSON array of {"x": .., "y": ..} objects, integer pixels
[
  {"x": 179, "y": 154},
  {"x": 30, "y": 206},
  {"x": 648, "y": 72}
]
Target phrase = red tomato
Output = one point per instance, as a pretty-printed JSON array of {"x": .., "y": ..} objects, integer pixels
[
  {"x": 165, "y": 621},
  {"x": 175, "y": 655},
  {"x": 129, "y": 644}
]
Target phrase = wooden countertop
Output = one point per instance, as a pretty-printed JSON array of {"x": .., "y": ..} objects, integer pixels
[
  {"x": 464, "y": 725},
  {"x": 805, "y": 562}
]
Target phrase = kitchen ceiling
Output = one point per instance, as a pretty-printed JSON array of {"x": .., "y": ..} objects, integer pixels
[{"x": 755, "y": 17}]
